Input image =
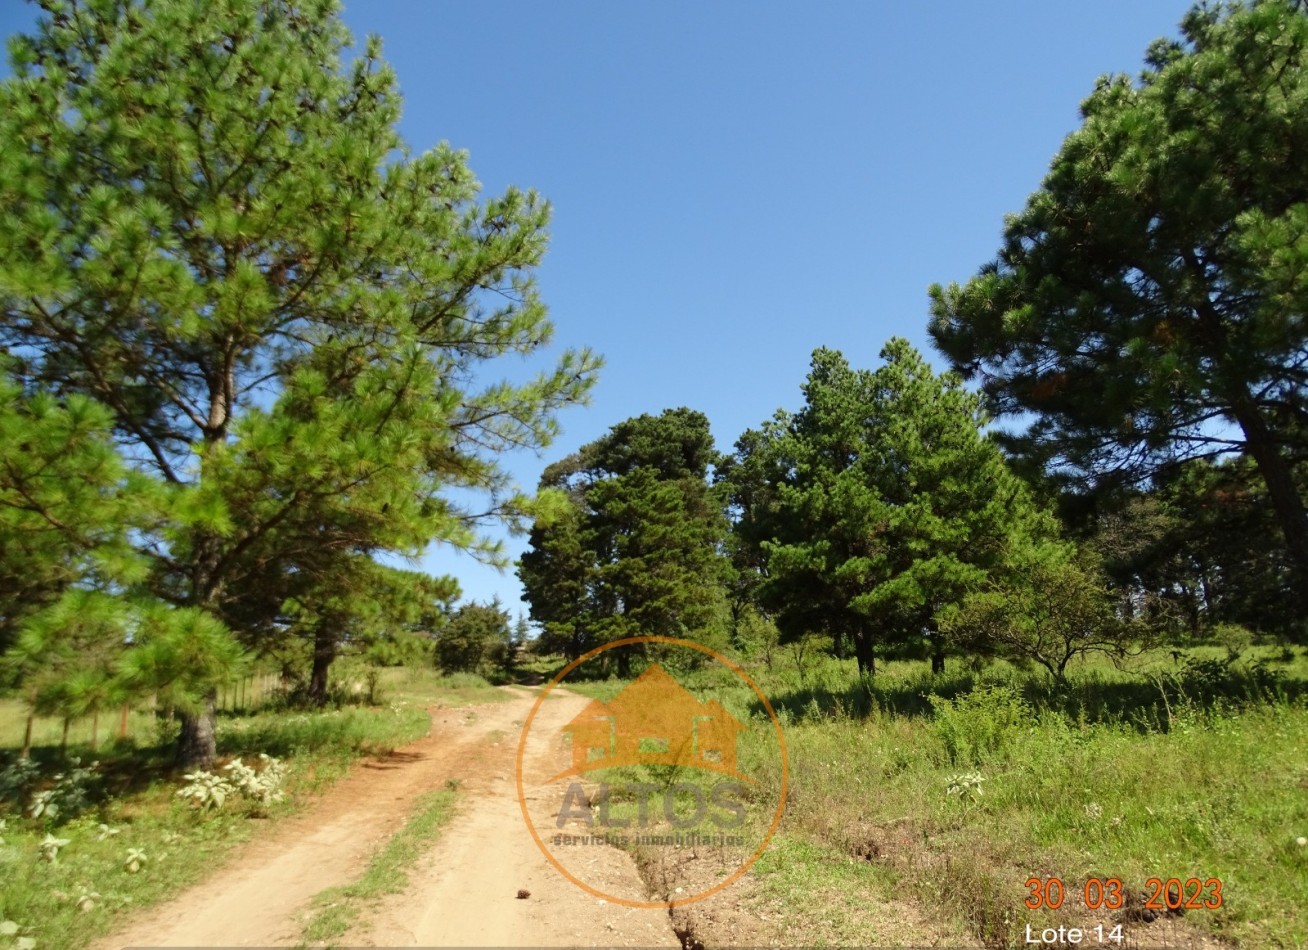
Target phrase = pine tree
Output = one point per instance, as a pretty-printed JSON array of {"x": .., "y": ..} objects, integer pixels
[
  {"x": 879, "y": 505},
  {"x": 67, "y": 503},
  {"x": 210, "y": 225},
  {"x": 635, "y": 545},
  {"x": 1147, "y": 306}
]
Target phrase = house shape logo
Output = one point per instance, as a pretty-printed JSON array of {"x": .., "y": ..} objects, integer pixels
[{"x": 654, "y": 721}]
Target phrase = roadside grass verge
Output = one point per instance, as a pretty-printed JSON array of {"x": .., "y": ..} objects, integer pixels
[
  {"x": 1216, "y": 791},
  {"x": 89, "y": 888},
  {"x": 603, "y": 690},
  {"x": 1185, "y": 765},
  {"x": 432, "y": 688},
  {"x": 826, "y": 898},
  {"x": 338, "y": 908},
  {"x": 348, "y": 733}
]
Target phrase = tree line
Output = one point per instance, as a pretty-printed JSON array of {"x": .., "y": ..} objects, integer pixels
[
  {"x": 242, "y": 324},
  {"x": 1130, "y": 469}
]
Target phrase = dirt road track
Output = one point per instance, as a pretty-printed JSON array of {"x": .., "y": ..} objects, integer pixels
[{"x": 462, "y": 893}]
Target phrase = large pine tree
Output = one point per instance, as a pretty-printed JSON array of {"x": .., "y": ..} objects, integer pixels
[
  {"x": 878, "y": 505},
  {"x": 1148, "y": 304},
  {"x": 209, "y": 224},
  {"x": 635, "y": 545}
]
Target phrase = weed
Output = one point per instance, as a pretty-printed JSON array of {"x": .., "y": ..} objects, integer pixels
[
  {"x": 966, "y": 786},
  {"x": 205, "y": 790},
  {"x": 338, "y": 907},
  {"x": 50, "y": 847},
  {"x": 980, "y": 725},
  {"x": 16, "y": 936}
]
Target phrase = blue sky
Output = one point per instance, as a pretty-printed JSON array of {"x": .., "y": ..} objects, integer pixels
[{"x": 737, "y": 183}]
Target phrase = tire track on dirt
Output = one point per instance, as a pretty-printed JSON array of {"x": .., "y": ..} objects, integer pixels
[{"x": 465, "y": 891}]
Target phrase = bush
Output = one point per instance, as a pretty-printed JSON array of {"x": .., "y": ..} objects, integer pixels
[
  {"x": 50, "y": 798},
  {"x": 18, "y": 779},
  {"x": 1234, "y": 638},
  {"x": 980, "y": 724},
  {"x": 478, "y": 639},
  {"x": 260, "y": 787}
]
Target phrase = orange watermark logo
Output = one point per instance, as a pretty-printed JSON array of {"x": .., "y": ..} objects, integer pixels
[{"x": 655, "y": 766}]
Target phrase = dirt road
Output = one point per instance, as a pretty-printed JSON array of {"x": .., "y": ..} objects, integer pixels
[{"x": 462, "y": 893}]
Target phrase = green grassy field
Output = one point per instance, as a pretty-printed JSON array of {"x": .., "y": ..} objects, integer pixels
[
  {"x": 63, "y": 895},
  {"x": 1179, "y": 767}
]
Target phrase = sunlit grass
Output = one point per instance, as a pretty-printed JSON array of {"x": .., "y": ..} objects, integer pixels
[
  {"x": 1139, "y": 771},
  {"x": 181, "y": 845}
]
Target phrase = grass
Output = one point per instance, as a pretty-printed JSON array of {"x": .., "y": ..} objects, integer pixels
[
  {"x": 397, "y": 687},
  {"x": 180, "y": 847},
  {"x": 49, "y": 732},
  {"x": 1179, "y": 766},
  {"x": 816, "y": 888},
  {"x": 1076, "y": 784},
  {"x": 337, "y": 908},
  {"x": 431, "y": 688},
  {"x": 135, "y": 796},
  {"x": 1216, "y": 797},
  {"x": 348, "y": 732}
]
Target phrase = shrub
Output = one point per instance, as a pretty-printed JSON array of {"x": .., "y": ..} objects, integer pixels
[
  {"x": 61, "y": 796},
  {"x": 18, "y": 780},
  {"x": 1234, "y": 638},
  {"x": 261, "y": 788},
  {"x": 979, "y": 724}
]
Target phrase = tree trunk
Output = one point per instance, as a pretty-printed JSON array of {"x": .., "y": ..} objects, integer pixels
[
  {"x": 864, "y": 653},
  {"x": 838, "y": 645},
  {"x": 122, "y": 721},
  {"x": 95, "y": 730},
  {"x": 1262, "y": 445},
  {"x": 197, "y": 742},
  {"x": 27, "y": 737},
  {"x": 197, "y": 745},
  {"x": 1289, "y": 508},
  {"x": 937, "y": 658},
  {"x": 324, "y": 652},
  {"x": 63, "y": 742}
]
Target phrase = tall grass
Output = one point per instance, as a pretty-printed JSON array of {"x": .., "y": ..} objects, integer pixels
[
  {"x": 1198, "y": 772},
  {"x": 1193, "y": 765}
]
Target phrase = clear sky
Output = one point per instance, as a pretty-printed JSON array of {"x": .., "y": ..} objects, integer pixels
[{"x": 738, "y": 183}]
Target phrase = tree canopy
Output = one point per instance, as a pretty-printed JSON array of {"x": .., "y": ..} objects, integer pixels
[
  {"x": 477, "y": 639},
  {"x": 210, "y": 226},
  {"x": 1148, "y": 304},
  {"x": 878, "y": 504},
  {"x": 634, "y": 547}
]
